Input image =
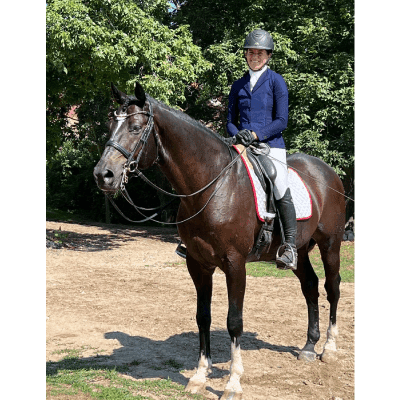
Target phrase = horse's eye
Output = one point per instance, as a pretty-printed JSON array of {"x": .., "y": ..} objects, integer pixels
[{"x": 134, "y": 128}]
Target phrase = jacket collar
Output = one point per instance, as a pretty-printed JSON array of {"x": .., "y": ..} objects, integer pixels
[{"x": 264, "y": 77}]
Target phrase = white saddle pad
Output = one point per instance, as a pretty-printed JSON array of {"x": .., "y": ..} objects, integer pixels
[{"x": 300, "y": 194}]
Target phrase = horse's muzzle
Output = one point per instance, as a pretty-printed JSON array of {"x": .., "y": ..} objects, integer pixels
[{"x": 105, "y": 179}]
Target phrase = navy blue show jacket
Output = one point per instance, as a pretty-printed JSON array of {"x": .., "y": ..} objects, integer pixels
[{"x": 264, "y": 110}]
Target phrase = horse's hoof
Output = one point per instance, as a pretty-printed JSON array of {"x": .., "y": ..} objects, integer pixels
[
  {"x": 195, "y": 387},
  {"x": 231, "y": 395},
  {"x": 307, "y": 356},
  {"x": 328, "y": 356}
]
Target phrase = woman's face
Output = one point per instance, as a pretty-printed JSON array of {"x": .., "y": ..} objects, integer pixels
[{"x": 257, "y": 58}]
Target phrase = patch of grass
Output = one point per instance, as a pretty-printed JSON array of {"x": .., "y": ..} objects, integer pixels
[
  {"x": 80, "y": 378},
  {"x": 346, "y": 265},
  {"x": 259, "y": 269},
  {"x": 75, "y": 353},
  {"x": 57, "y": 237},
  {"x": 61, "y": 390},
  {"x": 347, "y": 262},
  {"x": 71, "y": 353}
]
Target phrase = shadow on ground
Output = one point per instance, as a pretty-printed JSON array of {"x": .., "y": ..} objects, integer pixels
[
  {"x": 143, "y": 358},
  {"x": 114, "y": 237}
]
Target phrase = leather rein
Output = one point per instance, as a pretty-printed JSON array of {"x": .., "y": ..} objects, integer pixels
[{"x": 131, "y": 167}]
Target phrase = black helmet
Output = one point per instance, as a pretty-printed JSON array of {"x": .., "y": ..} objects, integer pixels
[{"x": 259, "y": 39}]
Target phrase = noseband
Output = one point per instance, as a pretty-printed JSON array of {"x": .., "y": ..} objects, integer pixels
[{"x": 131, "y": 165}]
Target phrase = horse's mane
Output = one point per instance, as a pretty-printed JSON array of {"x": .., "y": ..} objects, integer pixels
[{"x": 184, "y": 117}]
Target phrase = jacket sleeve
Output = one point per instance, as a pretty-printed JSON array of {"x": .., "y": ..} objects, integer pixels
[
  {"x": 280, "y": 110},
  {"x": 232, "y": 120}
]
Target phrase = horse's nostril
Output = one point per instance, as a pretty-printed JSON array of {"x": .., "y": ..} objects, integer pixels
[{"x": 108, "y": 174}]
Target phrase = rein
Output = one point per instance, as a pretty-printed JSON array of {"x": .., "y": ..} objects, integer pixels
[
  {"x": 129, "y": 200},
  {"x": 141, "y": 175},
  {"x": 131, "y": 167}
]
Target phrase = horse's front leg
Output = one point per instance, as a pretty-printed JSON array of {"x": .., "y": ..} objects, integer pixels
[
  {"x": 203, "y": 283},
  {"x": 236, "y": 283}
]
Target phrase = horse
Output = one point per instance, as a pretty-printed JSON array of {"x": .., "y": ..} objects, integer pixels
[{"x": 217, "y": 222}]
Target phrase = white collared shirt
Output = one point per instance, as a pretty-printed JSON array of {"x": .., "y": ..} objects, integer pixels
[{"x": 255, "y": 75}]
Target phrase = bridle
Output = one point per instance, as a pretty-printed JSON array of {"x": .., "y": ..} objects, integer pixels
[{"x": 131, "y": 165}]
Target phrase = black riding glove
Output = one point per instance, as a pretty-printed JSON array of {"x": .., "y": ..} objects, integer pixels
[{"x": 245, "y": 137}]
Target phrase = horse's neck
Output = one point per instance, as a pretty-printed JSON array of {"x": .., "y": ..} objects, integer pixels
[{"x": 190, "y": 156}]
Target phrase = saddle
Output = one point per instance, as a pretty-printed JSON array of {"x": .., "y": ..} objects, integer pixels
[{"x": 265, "y": 171}]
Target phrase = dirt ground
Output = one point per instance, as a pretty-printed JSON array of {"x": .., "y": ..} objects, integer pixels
[{"x": 117, "y": 292}]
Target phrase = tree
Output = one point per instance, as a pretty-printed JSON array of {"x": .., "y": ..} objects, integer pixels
[
  {"x": 188, "y": 53},
  {"x": 314, "y": 51},
  {"x": 93, "y": 43}
]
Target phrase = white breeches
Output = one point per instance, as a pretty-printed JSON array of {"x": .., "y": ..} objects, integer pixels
[{"x": 278, "y": 157}]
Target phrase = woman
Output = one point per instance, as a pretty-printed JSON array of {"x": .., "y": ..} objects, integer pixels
[{"x": 258, "y": 111}]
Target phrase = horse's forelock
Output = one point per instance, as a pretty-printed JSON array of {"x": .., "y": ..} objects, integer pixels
[{"x": 130, "y": 100}]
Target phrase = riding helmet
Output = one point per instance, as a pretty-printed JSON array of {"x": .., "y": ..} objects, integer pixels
[{"x": 259, "y": 39}]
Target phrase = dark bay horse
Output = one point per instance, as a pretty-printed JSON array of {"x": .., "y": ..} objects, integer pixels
[{"x": 147, "y": 132}]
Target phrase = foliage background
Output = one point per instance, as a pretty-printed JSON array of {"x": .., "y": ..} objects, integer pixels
[{"x": 187, "y": 54}]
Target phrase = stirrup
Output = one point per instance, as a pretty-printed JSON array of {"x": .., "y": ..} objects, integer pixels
[
  {"x": 280, "y": 263},
  {"x": 181, "y": 250}
]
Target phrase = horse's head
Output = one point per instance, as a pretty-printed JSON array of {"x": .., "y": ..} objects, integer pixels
[{"x": 132, "y": 143}]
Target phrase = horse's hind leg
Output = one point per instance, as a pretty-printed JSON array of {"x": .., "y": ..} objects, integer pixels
[
  {"x": 203, "y": 283},
  {"x": 309, "y": 286},
  {"x": 330, "y": 254}
]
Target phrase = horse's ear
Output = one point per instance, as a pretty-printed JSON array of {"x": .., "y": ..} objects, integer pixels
[
  {"x": 118, "y": 95},
  {"x": 140, "y": 93}
]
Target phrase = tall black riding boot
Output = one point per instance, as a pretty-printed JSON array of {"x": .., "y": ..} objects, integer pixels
[{"x": 287, "y": 214}]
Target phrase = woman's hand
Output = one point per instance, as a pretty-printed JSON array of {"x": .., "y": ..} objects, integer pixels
[{"x": 245, "y": 137}]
